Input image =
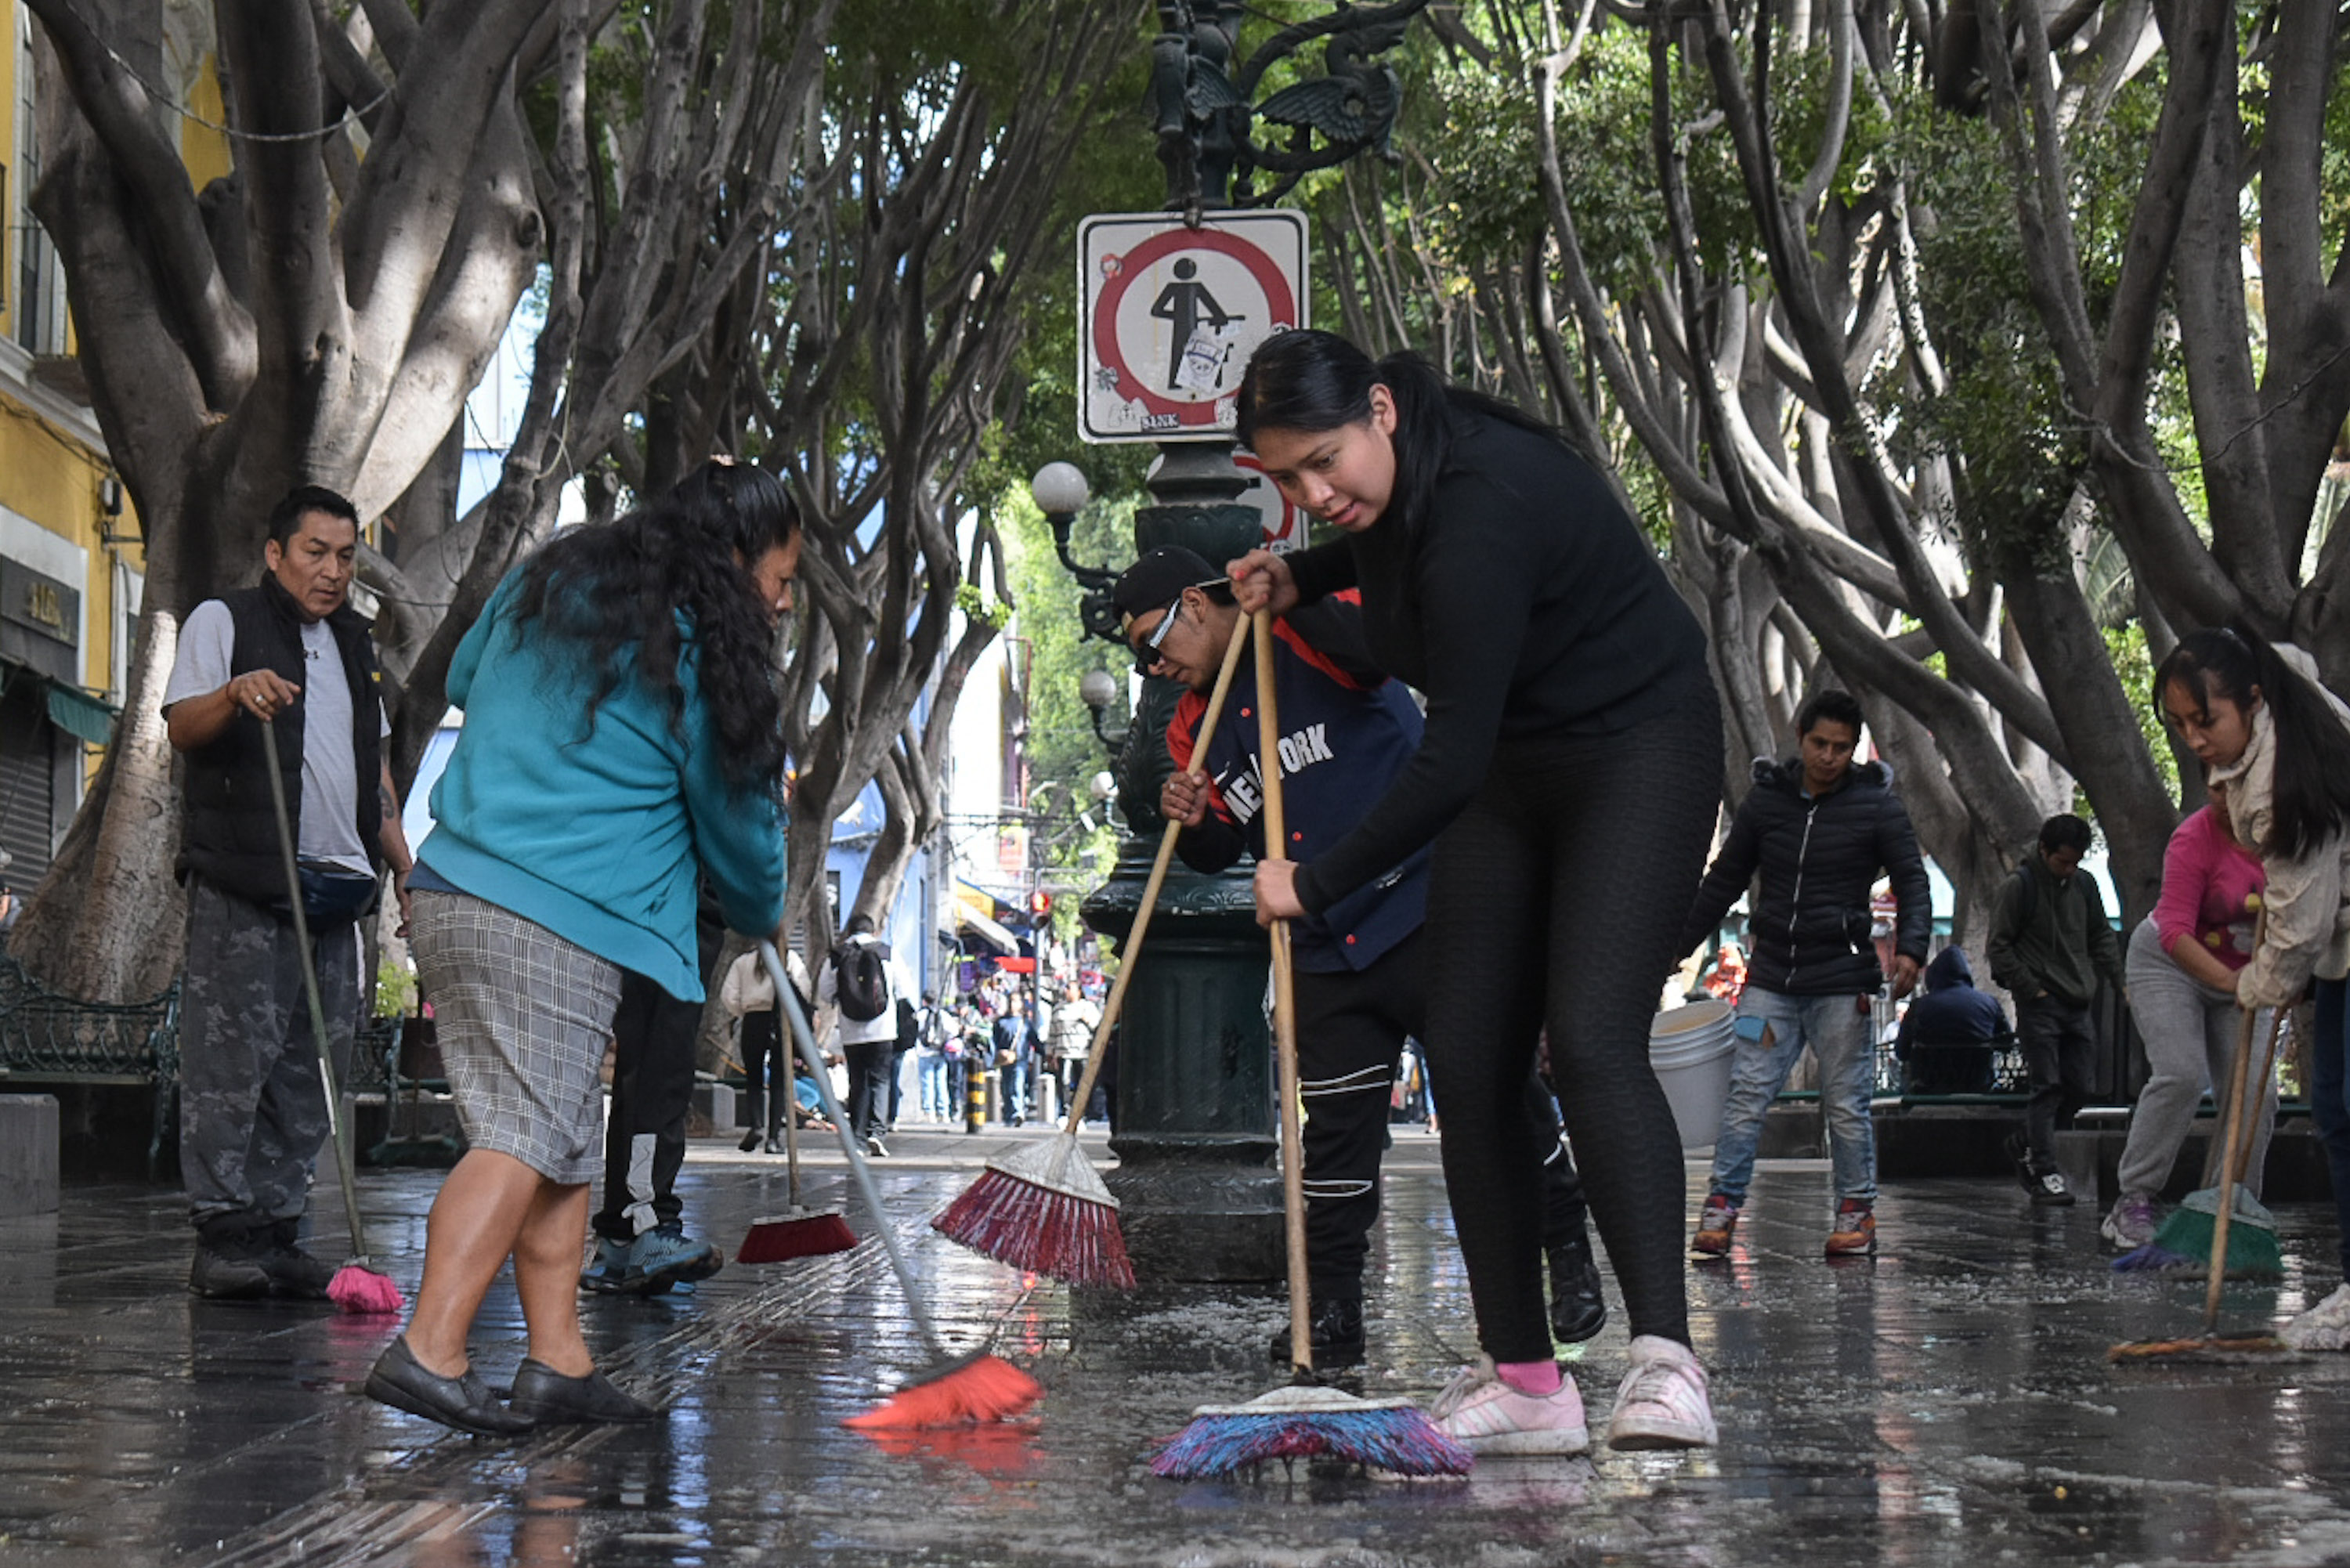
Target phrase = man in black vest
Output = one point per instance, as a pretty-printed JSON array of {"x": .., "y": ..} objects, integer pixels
[{"x": 288, "y": 652}]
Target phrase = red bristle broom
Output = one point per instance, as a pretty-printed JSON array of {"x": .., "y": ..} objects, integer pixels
[
  {"x": 976, "y": 1386},
  {"x": 800, "y": 1231},
  {"x": 1043, "y": 1208},
  {"x": 1301, "y": 1419},
  {"x": 356, "y": 1286}
]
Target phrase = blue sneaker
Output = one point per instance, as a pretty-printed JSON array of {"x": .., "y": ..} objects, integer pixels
[
  {"x": 662, "y": 1257},
  {"x": 607, "y": 1274}
]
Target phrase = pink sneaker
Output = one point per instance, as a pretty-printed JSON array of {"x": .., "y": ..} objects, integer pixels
[
  {"x": 1486, "y": 1415},
  {"x": 1662, "y": 1403}
]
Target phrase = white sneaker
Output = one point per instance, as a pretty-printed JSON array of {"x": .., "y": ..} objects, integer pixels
[
  {"x": 2325, "y": 1326},
  {"x": 1662, "y": 1403},
  {"x": 1486, "y": 1416}
]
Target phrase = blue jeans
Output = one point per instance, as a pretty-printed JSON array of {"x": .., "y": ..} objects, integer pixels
[
  {"x": 2329, "y": 1098},
  {"x": 932, "y": 1068},
  {"x": 1839, "y": 1034}
]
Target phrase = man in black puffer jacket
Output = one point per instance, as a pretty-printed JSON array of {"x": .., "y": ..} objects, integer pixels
[{"x": 1818, "y": 830}]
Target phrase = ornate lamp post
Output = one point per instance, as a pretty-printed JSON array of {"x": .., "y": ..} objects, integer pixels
[{"x": 1195, "y": 1135}]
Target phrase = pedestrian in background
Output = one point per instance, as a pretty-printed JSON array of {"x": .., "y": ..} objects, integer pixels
[
  {"x": 623, "y": 724},
  {"x": 2049, "y": 942},
  {"x": 290, "y": 652},
  {"x": 747, "y": 996},
  {"x": 1568, "y": 777},
  {"x": 1013, "y": 1044},
  {"x": 2183, "y": 964},
  {"x": 862, "y": 982},
  {"x": 1074, "y": 1023},
  {"x": 932, "y": 1025},
  {"x": 1818, "y": 828},
  {"x": 1948, "y": 1035},
  {"x": 2276, "y": 743}
]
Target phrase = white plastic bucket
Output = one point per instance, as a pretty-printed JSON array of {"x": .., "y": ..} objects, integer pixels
[{"x": 1691, "y": 1050}]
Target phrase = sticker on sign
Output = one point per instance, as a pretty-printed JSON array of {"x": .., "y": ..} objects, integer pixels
[{"x": 1172, "y": 314}]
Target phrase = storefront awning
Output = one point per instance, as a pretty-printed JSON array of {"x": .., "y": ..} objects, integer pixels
[
  {"x": 994, "y": 933},
  {"x": 77, "y": 712}
]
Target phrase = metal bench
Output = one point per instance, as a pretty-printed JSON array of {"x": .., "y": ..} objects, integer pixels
[{"x": 46, "y": 1037}]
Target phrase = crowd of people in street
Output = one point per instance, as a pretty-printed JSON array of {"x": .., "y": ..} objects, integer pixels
[{"x": 1486, "y": 885}]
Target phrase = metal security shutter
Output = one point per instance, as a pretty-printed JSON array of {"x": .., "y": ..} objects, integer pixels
[{"x": 27, "y": 777}]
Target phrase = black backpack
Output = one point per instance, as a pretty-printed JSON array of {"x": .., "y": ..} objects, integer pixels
[
  {"x": 910, "y": 1027},
  {"x": 861, "y": 980}
]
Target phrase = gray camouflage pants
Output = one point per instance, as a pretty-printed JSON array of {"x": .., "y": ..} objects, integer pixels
[{"x": 253, "y": 1112}]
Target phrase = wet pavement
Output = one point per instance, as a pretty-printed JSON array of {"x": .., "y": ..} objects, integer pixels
[{"x": 1948, "y": 1402}]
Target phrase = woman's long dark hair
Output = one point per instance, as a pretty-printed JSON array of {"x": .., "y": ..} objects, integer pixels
[
  {"x": 616, "y": 588},
  {"x": 1307, "y": 380},
  {"x": 2311, "y": 801}
]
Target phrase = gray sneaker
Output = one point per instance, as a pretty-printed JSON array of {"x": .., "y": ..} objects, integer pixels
[{"x": 2131, "y": 1224}]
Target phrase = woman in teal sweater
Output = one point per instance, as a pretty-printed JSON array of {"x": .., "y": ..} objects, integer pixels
[{"x": 622, "y": 728}]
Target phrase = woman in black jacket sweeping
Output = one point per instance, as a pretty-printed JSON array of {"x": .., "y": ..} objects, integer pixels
[{"x": 1568, "y": 777}]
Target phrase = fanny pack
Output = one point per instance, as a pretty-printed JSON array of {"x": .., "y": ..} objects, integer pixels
[{"x": 334, "y": 895}]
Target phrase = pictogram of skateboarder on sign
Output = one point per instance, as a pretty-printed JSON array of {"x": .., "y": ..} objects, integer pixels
[{"x": 1173, "y": 313}]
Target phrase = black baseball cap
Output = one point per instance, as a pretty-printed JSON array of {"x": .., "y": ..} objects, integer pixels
[{"x": 1160, "y": 578}]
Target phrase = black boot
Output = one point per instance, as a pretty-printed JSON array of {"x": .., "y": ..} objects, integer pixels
[
  {"x": 293, "y": 1272},
  {"x": 1335, "y": 1325},
  {"x": 228, "y": 1266},
  {"x": 1578, "y": 1310}
]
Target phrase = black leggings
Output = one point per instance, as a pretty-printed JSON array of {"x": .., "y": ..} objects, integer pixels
[{"x": 1556, "y": 897}]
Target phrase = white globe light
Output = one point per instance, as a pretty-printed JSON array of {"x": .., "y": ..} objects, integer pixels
[
  {"x": 1098, "y": 688},
  {"x": 1059, "y": 487},
  {"x": 1103, "y": 786}
]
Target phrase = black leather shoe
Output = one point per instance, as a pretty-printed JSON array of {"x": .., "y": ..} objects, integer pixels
[
  {"x": 464, "y": 1402},
  {"x": 1336, "y": 1329},
  {"x": 750, "y": 1141},
  {"x": 1578, "y": 1310},
  {"x": 549, "y": 1398}
]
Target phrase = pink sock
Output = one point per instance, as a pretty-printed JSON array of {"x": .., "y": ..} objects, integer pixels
[{"x": 1539, "y": 1379}]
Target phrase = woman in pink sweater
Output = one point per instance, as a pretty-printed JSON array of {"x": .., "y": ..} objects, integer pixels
[{"x": 2183, "y": 964}]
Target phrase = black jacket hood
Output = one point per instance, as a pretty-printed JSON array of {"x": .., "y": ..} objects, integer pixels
[
  {"x": 1950, "y": 968},
  {"x": 1772, "y": 773}
]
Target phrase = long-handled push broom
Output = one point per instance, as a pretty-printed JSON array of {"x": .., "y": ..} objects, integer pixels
[
  {"x": 976, "y": 1386},
  {"x": 1302, "y": 1420},
  {"x": 1043, "y": 1209},
  {"x": 2235, "y": 1154},
  {"x": 356, "y": 1286},
  {"x": 799, "y": 1231}
]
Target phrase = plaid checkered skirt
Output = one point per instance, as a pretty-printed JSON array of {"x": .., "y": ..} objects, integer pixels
[{"x": 523, "y": 1017}]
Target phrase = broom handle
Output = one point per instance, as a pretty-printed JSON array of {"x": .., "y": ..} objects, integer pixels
[
  {"x": 337, "y": 1127},
  {"x": 2261, "y": 1082},
  {"x": 789, "y": 1005},
  {"x": 1133, "y": 946},
  {"x": 2222, "y": 1222},
  {"x": 791, "y": 1093},
  {"x": 1284, "y": 1005},
  {"x": 2228, "y": 1176}
]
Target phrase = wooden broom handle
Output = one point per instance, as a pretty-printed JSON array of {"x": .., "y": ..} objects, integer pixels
[
  {"x": 2228, "y": 1157},
  {"x": 1284, "y": 1004},
  {"x": 1133, "y": 948}
]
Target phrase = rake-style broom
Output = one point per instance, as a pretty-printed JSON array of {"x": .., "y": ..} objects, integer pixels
[
  {"x": 976, "y": 1386},
  {"x": 1302, "y": 1420},
  {"x": 2235, "y": 1154},
  {"x": 356, "y": 1286},
  {"x": 1043, "y": 1208}
]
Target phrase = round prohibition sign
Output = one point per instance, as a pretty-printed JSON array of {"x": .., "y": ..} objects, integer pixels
[{"x": 1126, "y": 269}]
